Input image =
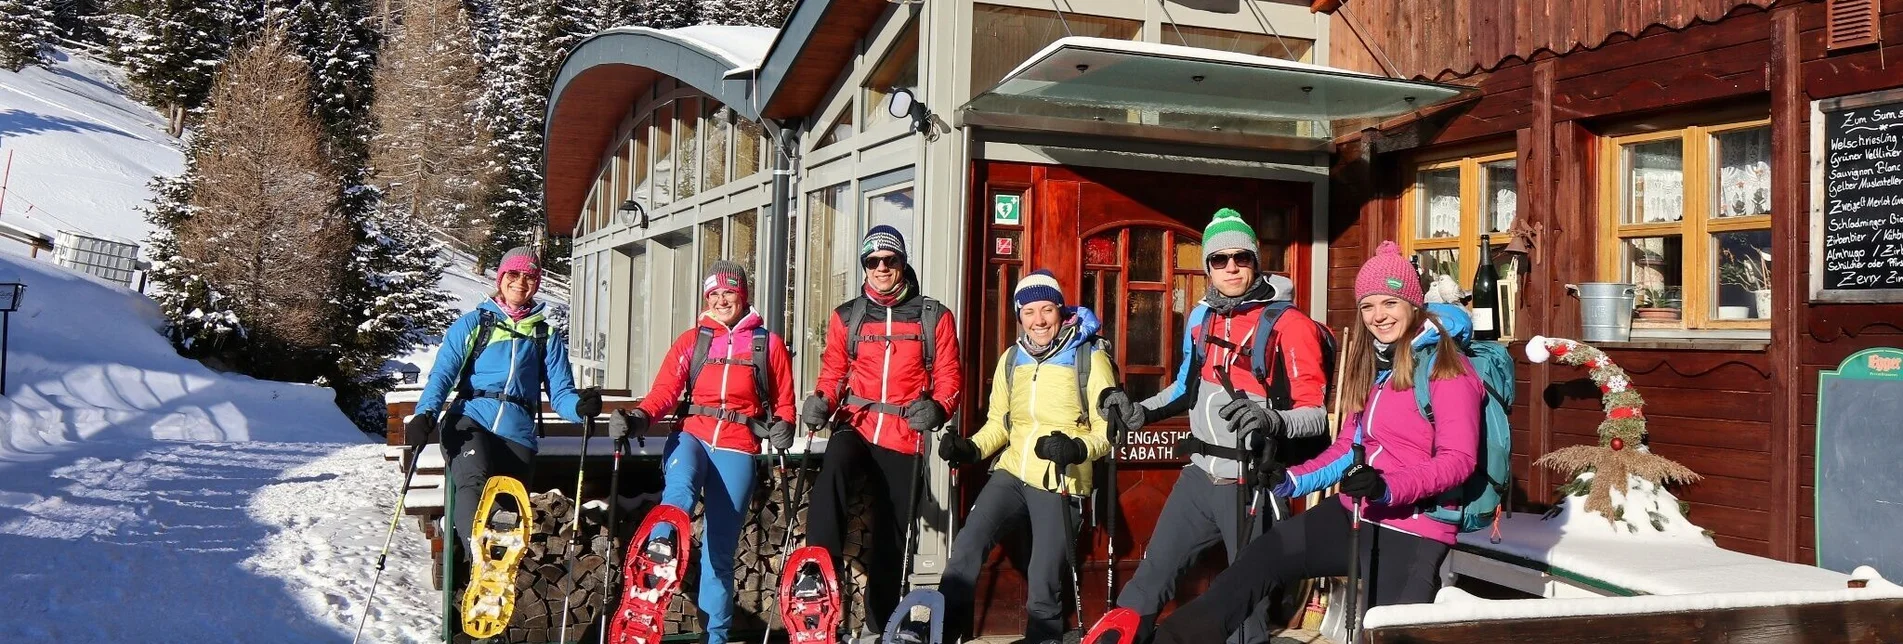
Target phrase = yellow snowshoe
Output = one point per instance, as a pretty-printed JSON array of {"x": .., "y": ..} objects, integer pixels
[{"x": 499, "y": 538}]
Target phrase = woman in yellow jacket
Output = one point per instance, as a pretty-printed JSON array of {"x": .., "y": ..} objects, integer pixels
[{"x": 1045, "y": 437}]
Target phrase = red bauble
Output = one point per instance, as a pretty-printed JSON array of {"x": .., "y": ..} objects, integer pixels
[
  {"x": 1618, "y": 413},
  {"x": 1558, "y": 349},
  {"x": 1618, "y": 443}
]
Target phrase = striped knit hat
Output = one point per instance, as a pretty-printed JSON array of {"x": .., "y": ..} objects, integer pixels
[
  {"x": 1388, "y": 273},
  {"x": 882, "y": 237},
  {"x": 1039, "y": 286},
  {"x": 1228, "y": 231}
]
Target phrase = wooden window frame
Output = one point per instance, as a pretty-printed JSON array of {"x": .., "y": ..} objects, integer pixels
[
  {"x": 1471, "y": 219},
  {"x": 1698, "y": 286}
]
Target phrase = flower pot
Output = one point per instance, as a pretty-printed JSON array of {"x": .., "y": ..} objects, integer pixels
[
  {"x": 1764, "y": 302},
  {"x": 1654, "y": 313},
  {"x": 1734, "y": 312}
]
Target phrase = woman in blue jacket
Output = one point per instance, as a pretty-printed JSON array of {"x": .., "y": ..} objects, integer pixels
[{"x": 491, "y": 387}]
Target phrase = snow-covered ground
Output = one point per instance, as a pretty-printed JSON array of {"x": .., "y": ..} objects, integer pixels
[
  {"x": 144, "y": 497},
  {"x": 82, "y": 151}
]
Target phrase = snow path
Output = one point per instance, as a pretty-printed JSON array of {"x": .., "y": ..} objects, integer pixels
[{"x": 208, "y": 542}]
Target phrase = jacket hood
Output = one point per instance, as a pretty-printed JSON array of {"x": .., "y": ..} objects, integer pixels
[
  {"x": 1087, "y": 325},
  {"x": 537, "y": 310},
  {"x": 1454, "y": 318}
]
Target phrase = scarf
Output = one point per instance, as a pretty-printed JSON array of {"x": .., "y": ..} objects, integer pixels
[
  {"x": 515, "y": 313},
  {"x": 1383, "y": 359},
  {"x": 1260, "y": 291},
  {"x": 900, "y": 293},
  {"x": 1065, "y": 334}
]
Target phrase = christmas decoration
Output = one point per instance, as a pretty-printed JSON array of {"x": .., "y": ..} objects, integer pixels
[{"x": 1609, "y": 474}]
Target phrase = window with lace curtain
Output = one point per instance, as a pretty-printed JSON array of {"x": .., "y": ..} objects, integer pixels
[{"x": 1445, "y": 210}]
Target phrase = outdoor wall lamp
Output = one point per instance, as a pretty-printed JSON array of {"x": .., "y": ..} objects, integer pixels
[
  {"x": 628, "y": 208},
  {"x": 903, "y": 103}
]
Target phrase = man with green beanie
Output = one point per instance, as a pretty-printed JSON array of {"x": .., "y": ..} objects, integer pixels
[{"x": 1241, "y": 406}]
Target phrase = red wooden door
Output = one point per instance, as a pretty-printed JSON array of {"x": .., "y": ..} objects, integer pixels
[{"x": 1126, "y": 244}]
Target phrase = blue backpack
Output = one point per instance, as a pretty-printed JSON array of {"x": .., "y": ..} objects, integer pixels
[{"x": 1477, "y": 501}]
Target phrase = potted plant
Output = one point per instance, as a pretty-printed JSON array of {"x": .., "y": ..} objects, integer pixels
[
  {"x": 1749, "y": 270},
  {"x": 1658, "y": 303}
]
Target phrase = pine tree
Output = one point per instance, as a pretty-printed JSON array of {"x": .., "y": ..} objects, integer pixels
[
  {"x": 431, "y": 154},
  {"x": 79, "y": 20},
  {"x": 608, "y": 14},
  {"x": 27, "y": 33},
  {"x": 175, "y": 50},
  {"x": 749, "y": 13},
  {"x": 523, "y": 44},
  {"x": 669, "y": 14},
  {"x": 339, "y": 39},
  {"x": 263, "y": 232}
]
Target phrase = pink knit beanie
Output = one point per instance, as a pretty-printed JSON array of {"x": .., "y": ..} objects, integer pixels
[{"x": 1388, "y": 273}]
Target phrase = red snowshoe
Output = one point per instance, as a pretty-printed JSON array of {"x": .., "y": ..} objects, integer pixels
[
  {"x": 809, "y": 597},
  {"x": 1119, "y": 626},
  {"x": 919, "y": 619},
  {"x": 651, "y": 577}
]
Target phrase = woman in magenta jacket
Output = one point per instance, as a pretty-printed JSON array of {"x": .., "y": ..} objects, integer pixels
[{"x": 1410, "y": 460}]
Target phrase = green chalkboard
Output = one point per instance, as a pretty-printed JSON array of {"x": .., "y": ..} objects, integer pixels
[{"x": 1860, "y": 462}]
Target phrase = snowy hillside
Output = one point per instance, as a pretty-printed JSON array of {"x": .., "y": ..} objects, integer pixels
[
  {"x": 144, "y": 497},
  {"x": 82, "y": 151}
]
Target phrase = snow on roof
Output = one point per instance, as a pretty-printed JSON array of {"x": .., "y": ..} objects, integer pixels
[
  {"x": 742, "y": 47},
  {"x": 1452, "y": 606}
]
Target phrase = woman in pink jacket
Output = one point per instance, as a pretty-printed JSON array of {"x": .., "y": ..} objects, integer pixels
[{"x": 1410, "y": 460}]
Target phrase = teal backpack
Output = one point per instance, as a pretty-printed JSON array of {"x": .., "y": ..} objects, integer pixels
[{"x": 1476, "y": 501}]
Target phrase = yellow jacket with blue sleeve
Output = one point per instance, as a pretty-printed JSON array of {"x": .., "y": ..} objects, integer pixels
[{"x": 1031, "y": 397}]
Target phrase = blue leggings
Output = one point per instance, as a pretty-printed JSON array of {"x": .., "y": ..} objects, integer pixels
[{"x": 687, "y": 466}]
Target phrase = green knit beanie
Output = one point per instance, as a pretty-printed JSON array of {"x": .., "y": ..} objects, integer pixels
[{"x": 1228, "y": 231}]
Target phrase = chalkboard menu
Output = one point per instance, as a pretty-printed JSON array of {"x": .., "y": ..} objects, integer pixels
[
  {"x": 1859, "y": 508},
  {"x": 1857, "y": 199}
]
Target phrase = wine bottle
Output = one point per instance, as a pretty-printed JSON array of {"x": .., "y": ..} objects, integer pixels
[{"x": 1486, "y": 296}]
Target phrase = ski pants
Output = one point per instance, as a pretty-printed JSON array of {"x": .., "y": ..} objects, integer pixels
[
  {"x": 889, "y": 479},
  {"x": 1198, "y": 513},
  {"x": 1399, "y": 568},
  {"x": 1006, "y": 503},
  {"x": 695, "y": 472},
  {"x": 475, "y": 454}
]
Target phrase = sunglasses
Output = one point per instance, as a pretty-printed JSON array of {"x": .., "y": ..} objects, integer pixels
[
  {"x": 522, "y": 275},
  {"x": 889, "y": 261},
  {"x": 1243, "y": 259}
]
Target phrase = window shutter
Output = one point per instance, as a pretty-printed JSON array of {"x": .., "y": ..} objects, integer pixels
[{"x": 1853, "y": 23}]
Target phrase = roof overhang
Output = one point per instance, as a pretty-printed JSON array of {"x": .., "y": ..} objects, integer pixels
[
  {"x": 601, "y": 78},
  {"x": 818, "y": 41},
  {"x": 1150, "y": 91}
]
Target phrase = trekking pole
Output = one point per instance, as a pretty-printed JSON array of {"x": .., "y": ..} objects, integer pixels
[
  {"x": 1110, "y": 518},
  {"x": 574, "y": 526},
  {"x": 911, "y": 512},
  {"x": 792, "y": 504},
  {"x": 1070, "y": 543},
  {"x": 613, "y": 579},
  {"x": 402, "y": 493},
  {"x": 1353, "y": 614}
]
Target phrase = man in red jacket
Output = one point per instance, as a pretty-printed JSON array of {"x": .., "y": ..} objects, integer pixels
[
  {"x": 889, "y": 372},
  {"x": 730, "y": 381}
]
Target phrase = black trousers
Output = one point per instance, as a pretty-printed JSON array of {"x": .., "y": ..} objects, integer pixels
[
  {"x": 1007, "y": 503},
  {"x": 474, "y": 455},
  {"x": 1198, "y": 515},
  {"x": 1405, "y": 569},
  {"x": 889, "y": 479}
]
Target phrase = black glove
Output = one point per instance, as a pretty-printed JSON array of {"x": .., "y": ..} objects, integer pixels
[
  {"x": 1060, "y": 449},
  {"x": 1189, "y": 446},
  {"x": 816, "y": 412},
  {"x": 924, "y": 415},
  {"x": 1266, "y": 475},
  {"x": 588, "y": 402},
  {"x": 958, "y": 450},
  {"x": 420, "y": 431},
  {"x": 778, "y": 434},
  {"x": 1365, "y": 482},
  {"x": 1246, "y": 417},
  {"x": 622, "y": 424},
  {"x": 1116, "y": 406}
]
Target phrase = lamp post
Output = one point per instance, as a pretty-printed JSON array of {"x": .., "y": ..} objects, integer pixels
[{"x": 10, "y": 294}]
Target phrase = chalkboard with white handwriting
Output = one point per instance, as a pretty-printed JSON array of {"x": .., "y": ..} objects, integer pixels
[{"x": 1863, "y": 199}]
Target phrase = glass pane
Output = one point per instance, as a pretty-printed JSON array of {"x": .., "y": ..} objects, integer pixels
[
  {"x": 746, "y": 148},
  {"x": 792, "y": 275},
  {"x": 1146, "y": 255},
  {"x": 1142, "y": 386},
  {"x": 1145, "y": 344},
  {"x": 1274, "y": 238},
  {"x": 638, "y": 189},
  {"x": 899, "y": 69},
  {"x": 604, "y": 271},
  {"x": 1500, "y": 195},
  {"x": 1189, "y": 253},
  {"x": 1112, "y": 287},
  {"x": 892, "y": 208},
  {"x": 1003, "y": 37},
  {"x": 1087, "y": 292},
  {"x": 822, "y": 214},
  {"x": 746, "y": 241},
  {"x": 1183, "y": 298},
  {"x": 1656, "y": 265},
  {"x": 989, "y": 343},
  {"x": 624, "y": 180},
  {"x": 688, "y": 156},
  {"x": 1744, "y": 172},
  {"x": 1439, "y": 209},
  {"x": 1101, "y": 250},
  {"x": 1654, "y": 182},
  {"x": 1008, "y": 315},
  {"x": 840, "y": 130},
  {"x": 1743, "y": 267},
  {"x": 663, "y": 155},
  {"x": 712, "y": 246},
  {"x": 719, "y": 132},
  {"x": 637, "y": 317},
  {"x": 1440, "y": 271}
]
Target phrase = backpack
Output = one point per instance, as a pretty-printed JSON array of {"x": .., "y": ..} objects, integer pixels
[
  {"x": 1269, "y": 371},
  {"x": 487, "y": 323},
  {"x": 927, "y": 336},
  {"x": 762, "y": 380},
  {"x": 1477, "y": 500},
  {"x": 1081, "y": 363}
]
